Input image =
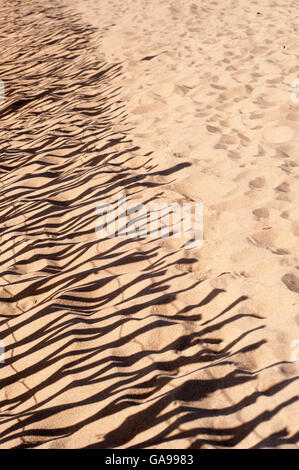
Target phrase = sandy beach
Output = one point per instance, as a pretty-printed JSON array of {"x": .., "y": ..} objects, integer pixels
[{"x": 134, "y": 342}]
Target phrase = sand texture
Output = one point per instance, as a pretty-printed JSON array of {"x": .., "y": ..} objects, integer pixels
[{"x": 140, "y": 342}]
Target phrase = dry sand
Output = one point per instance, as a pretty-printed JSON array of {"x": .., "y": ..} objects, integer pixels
[{"x": 123, "y": 343}]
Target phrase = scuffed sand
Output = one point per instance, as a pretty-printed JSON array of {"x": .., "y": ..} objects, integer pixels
[{"x": 124, "y": 343}]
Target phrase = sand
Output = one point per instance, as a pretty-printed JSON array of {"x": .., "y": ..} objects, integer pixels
[{"x": 141, "y": 342}]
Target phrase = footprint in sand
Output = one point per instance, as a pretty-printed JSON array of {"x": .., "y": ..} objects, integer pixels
[
  {"x": 257, "y": 183},
  {"x": 291, "y": 281},
  {"x": 261, "y": 213}
]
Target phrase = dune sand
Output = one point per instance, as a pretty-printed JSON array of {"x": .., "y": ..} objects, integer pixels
[{"x": 142, "y": 343}]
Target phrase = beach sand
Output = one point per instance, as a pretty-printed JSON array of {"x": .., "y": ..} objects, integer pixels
[{"x": 142, "y": 343}]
